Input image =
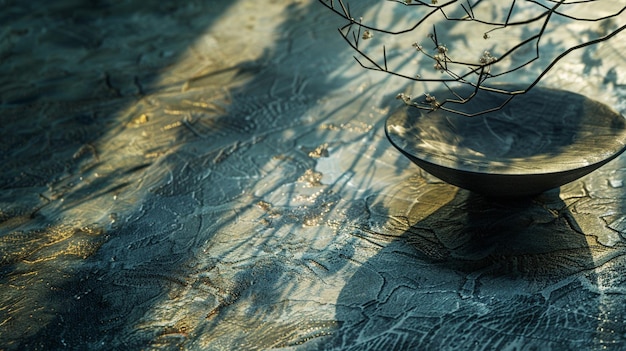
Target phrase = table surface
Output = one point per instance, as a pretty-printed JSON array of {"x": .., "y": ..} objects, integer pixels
[{"x": 215, "y": 176}]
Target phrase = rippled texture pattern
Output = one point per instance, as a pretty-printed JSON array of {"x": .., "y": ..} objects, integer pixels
[{"x": 215, "y": 176}]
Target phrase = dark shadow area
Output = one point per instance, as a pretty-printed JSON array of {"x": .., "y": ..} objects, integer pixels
[{"x": 480, "y": 274}]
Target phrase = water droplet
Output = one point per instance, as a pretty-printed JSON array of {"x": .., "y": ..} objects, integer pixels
[{"x": 616, "y": 183}]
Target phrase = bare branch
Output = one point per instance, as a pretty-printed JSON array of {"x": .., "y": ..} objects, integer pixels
[{"x": 540, "y": 18}]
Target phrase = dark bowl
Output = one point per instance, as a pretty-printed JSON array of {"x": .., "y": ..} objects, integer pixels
[{"x": 538, "y": 141}]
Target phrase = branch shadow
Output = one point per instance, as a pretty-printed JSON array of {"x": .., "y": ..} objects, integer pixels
[{"x": 114, "y": 285}]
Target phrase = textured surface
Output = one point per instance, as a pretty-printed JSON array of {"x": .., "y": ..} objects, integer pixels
[{"x": 215, "y": 176}]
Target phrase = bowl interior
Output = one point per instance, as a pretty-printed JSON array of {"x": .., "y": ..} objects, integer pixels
[{"x": 542, "y": 131}]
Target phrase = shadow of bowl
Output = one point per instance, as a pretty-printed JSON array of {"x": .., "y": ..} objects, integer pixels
[{"x": 538, "y": 141}]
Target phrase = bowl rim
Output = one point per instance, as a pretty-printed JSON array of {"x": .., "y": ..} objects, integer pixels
[{"x": 518, "y": 166}]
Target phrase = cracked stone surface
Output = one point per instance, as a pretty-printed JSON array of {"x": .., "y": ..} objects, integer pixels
[{"x": 215, "y": 176}]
